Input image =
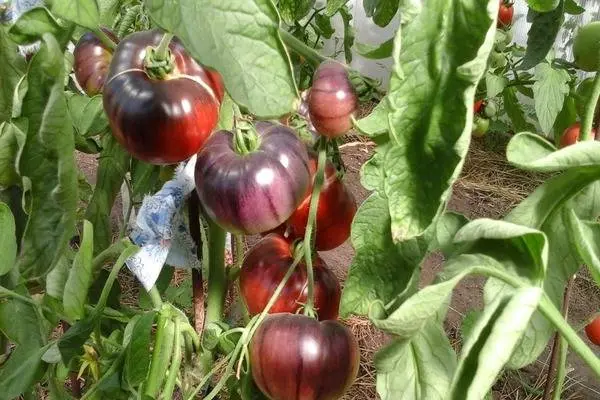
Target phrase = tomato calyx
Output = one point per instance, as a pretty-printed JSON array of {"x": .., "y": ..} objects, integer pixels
[
  {"x": 159, "y": 62},
  {"x": 245, "y": 137}
]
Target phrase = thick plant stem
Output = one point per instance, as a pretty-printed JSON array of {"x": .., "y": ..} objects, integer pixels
[
  {"x": 590, "y": 110},
  {"x": 163, "y": 347},
  {"x": 549, "y": 311},
  {"x": 155, "y": 298},
  {"x": 299, "y": 47},
  {"x": 162, "y": 50},
  {"x": 562, "y": 370},
  {"x": 110, "y": 254},
  {"x": 550, "y": 376},
  {"x": 105, "y": 39},
  {"x": 175, "y": 362},
  {"x": 310, "y": 225}
]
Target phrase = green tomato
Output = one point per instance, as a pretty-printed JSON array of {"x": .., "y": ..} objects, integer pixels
[
  {"x": 490, "y": 109},
  {"x": 586, "y": 47},
  {"x": 500, "y": 41},
  {"x": 497, "y": 60},
  {"x": 480, "y": 126}
]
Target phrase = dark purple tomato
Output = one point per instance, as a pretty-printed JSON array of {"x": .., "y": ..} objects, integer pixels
[
  {"x": 294, "y": 357},
  {"x": 265, "y": 266},
  {"x": 332, "y": 100},
  {"x": 91, "y": 61},
  {"x": 256, "y": 192},
  {"x": 159, "y": 121}
]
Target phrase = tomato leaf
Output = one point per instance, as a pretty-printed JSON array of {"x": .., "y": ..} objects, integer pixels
[
  {"x": 71, "y": 342},
  {"x": 226, "y": 114},
  {"x": 488, "y": 348},
  {"x": 585, "y": 237},
  {"x": 542, "y": 34},
  {"x": 57, "y": 278},
  {"x": 80, "y": 276},
  {"x": 87, "y": 115},
  {"x": 417, "y": 368},
  {"x": 549, "y": 91},
  {"x": 137, "y": 357},
  {"x": 333, "y": 6},
  {"x": 21, "y": 323},
  {"x": 348, "y": 33},
  {"x": 376, "y": 123},
  {"x": 425, "y": 93},
  {"x": 571, "y": 7},
  {"x": 47, "y": 164},
  {"x": 323, "y": 26},
  {"x": 81, "y": 12},
  {"x": 33, "y": 24},
  {"x": 12, "y": 68},
  {"x": 375, "y": 52},
  {"x": 382, "y": 11},
  {"x": 21, "y": 371},
  {"x": 112, "y": 167},
  {"x": 441, "y": 237},
  {"x": 565, "y": 118},
  {"x": 378, "y": 271},
  {"x": 543, "y": 5},
  {"x": 515, "y": 112},
  {"x": 294, "y": 10},
  {"x": 11, "y": 139},
  {"x": 249, "y": 54},
  {"x": 8, "y": 239}
]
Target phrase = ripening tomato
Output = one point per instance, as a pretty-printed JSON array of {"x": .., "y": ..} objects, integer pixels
[
  {"x": 592, "y": 330},
  {"x": 335, "y": 211},
  {"x": 255, "y": 192},
  {"x": 505, "y": 14},
  {"x": 571, "y": 135},
  {"x": 477, "y": 106},
  {"x": 91, "y": 61},
  {"x": 294, "y": 357},
  {"x": 332, "y": 100},
  {"x": 160, "y": 121},
  {"x": 265, "y": 266},
  {"x": 586, "y": 47}
]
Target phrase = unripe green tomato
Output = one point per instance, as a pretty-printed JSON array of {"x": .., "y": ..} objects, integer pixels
[
  {"x": 490, "y": 109},
  {"x": 480, "y": 126},
  {"x": 508, "y": 37},
  {"x": 500, "y": 41},
  {"x": 497, "y": 60},
  {"x": 586, "y": 47}
]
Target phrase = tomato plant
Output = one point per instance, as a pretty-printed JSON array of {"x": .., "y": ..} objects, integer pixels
[{"x": 143, "y": 85}]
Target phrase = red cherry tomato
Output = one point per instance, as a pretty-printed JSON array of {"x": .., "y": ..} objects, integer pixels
[
  {"x": 571, "y": 135},
  {"x": 294, "y": 357},
  {"x": 159, "y": 121},
  {"x": 265, "y": 266},
  {"x": 592, "y": 330},
  {"x": 335, "y": 211},
  {"x": 258, "y": 191},
  {"x": 477, "y": 106},
  {"x": 505, "y": 14},
  {"x": 332, "y": 100},
  {"x": 91, "y": 61}
]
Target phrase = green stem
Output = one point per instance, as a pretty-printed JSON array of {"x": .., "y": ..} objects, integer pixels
[
  {"x": 129, "y": 209},
  {"x": 561, "y": 373},
  {"x": 207, "y": 377},
  {"x": 99, "y": 33},
  {"x": 238, "y": 257},
  {"x": 549, "y": 311},
  {"x": 310, "y": 224},
  {"x": 161, "y": 354},
  {"x": 116, "y": 365},
  {"x": 175, "y": 363},
  {"x": 590, "y": 110},
  {"x": 155, "y": 298},
  {"x": 162, "y": 50},
  {"x": 110, "y": 254},
  {"x": 314, "y": 14},
  {"x": 299, "y": 47}
]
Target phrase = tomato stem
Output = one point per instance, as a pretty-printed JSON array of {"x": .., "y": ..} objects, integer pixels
[
  {"x": 162, "y": 53},
  {"x": 562, "y": 371},
  {"x": 155, "y": 298},
  {"x": 163, "y": 347},
  {"x": 590, "y": 110},
  {"x": 175, "y": 362},
  {"x": 309, "y": 308},
  {"x": 99, "y": 33},
  {"x": 158, "y": 61}
]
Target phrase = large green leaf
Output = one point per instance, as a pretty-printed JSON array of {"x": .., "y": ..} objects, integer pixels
[
  {"x": 81, "y": 12},
  {"x": 80, "y": 276},
  {"x": 431, "y": 97},
  {"x": 417, "y": 368},
  {"x": 490, "y": 344},
  {"x": 515, "y": 111},
  {"x": 21, "y": 371},
  {"x": 11, "y": 139},
  {"x": 8, "y": 239},
  {"x": 378, "y": 271},
  {"x": 294, "y": 10},
  {"x": 376, "y": 123},
  {"x": 47, "y": 163},
  {"x": 240, "y": 39},
  {"x": 543, "y": 5},
  {"x": 545, "y": 25},
  {"x": 137, "y": 358},
  {"x": 12, "y": 68},
  {"x": 57, "y": 278},
  {"x": 549, "y": 91},
  {"x": 112, "y": 167},
  {"x": 33, "y": 24},
  {"x": 87, "y": 115},
  {"x": 585, "y": 237},
  {"x": 376, "y": 52}
]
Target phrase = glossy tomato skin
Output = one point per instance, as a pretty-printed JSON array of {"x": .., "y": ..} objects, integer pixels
[
  {"x": 294, "y": 357},
  {"x": 256, "y": 192},
  {"x": 586, "y": 47},
  {"x": 265, "y": 266},
  {"x": 91, "y": 61},
  {"x": 477, "y": 106},
  {"x": 505, "y": 14},
  {"x": 159, "y": 121},
  {"x": 592, "y": 330},
  {"x": 332, "y": 100},
  {"x": 335, "y": 211},
  {"x": 571, "y": 135}
]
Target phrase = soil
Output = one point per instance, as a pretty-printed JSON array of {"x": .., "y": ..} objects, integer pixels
[{"x": 525, "y": 384}]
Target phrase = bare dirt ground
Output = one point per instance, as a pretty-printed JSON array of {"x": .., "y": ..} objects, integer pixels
[{"x": 482, "y": 191}]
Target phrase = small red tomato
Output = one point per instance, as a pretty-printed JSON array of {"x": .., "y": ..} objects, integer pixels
[
  {"x": 571, "y": 135},
  {"x": 160, "y": 121},
  {"x": 592, "y": 330},
  {"x": 335, "y": 211},
  {"x": 265, "y": 266},
  {"x": 91, "y": 61},
  {"x": 332, "y": 100},
  {"x": 477, "y": 106},
  {"x": 294, "y": 357},
  {"x": 505, "y": 14}
]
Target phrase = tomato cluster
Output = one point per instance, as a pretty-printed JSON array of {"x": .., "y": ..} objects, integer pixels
[{"x": 483, "y": 110}]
